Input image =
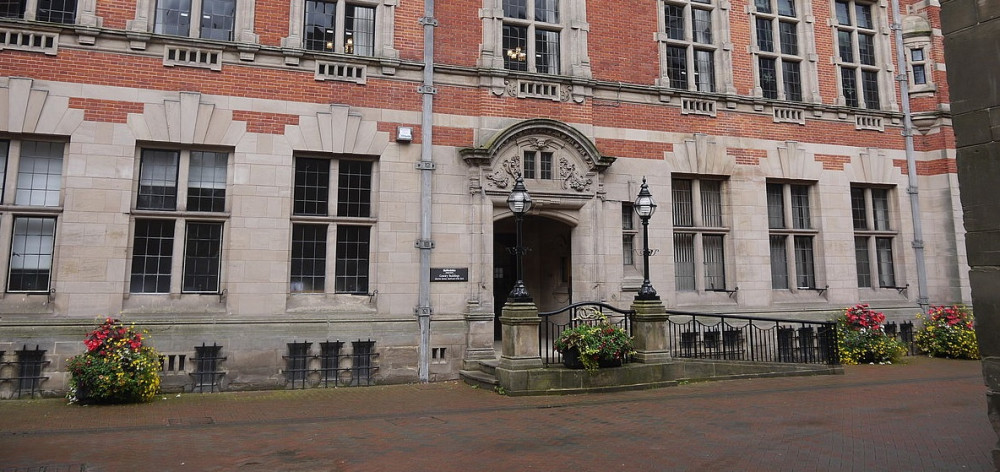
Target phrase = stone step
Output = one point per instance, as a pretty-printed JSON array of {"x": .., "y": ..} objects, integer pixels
[
  {"x": 489, "y": 367},
  {"x": 479, "y": 379}
]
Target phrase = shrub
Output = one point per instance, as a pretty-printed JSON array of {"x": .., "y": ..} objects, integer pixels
[
  {"x": 861, "y": 338},
  {"x": 596, "y": 342},
  {"x": 948, "y": 332},
  {"x": 116, "y": 368}
]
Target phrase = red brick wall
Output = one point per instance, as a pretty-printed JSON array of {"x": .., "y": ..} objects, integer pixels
[
  {"x": 935, "y": 167},
  {"x": 108, "y": 111},
  {"x": 459, "y": 35},
  {"x": 115, "y": 13},
  {"x": 747, "y": 157},
  {"x": 832, "y": 162},
  {"x": 622, "y": 41},
  {"x": 264, "y": 122},
  {"x": 271, "y": 21},
  {"x": 633, "y": 149}
]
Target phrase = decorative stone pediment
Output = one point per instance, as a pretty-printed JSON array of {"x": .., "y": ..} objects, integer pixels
[{"x": 553, "y": 157}]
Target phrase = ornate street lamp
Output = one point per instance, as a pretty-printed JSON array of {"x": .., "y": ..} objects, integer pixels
[
  {"x": 645, "y": 206},
  {"x": 519, "y": 202}
]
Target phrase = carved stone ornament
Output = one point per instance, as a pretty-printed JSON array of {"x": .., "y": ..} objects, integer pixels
[
  {"x": 508, "y": 170},
  {"x": 571, "y": 178},
  {"x": 588, "y": 313}
]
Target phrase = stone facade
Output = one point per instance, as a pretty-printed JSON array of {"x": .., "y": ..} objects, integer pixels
[{"x": 109, "y": 87}]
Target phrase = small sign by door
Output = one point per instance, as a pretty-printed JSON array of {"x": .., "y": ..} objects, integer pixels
[{"x": 451, "y": 274}]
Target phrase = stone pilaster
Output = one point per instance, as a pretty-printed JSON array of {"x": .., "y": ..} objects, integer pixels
[
  {"x": 519, "y": 329},
  {"x": 479, "y": 334},
  {"x": 649, "y": 327}
]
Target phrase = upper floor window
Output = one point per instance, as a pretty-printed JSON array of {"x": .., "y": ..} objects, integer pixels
[
  {"x": 538, "y": 165},
  {"x": 778, "y": 52},
  {"x": 217, "y": 18},
  {"x": 689, "y": 44},
  {"x": 699, "y": 235},
  {"x": 531, "y": 35},
  {"x": 354, "y": 33},
  {"x": 52, "y": 11},
  {"x": 792, "y": 236},
  {"x": 857, "y": 57}
]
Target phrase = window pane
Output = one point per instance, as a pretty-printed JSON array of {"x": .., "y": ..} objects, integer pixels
[
  {"x": 217, "y": 19},
  {"x": 529, "y": 165},
  {"x": 786, "y": 7},
  {"x": 152, "y": 251},
  {"x": 308, "y": 260},
  {"x": 202, "y": 257},
  {"x": 157, "y": 180},
  {"x": 880, "y": 208},
  {"x": 866, "y": 49},
  {"x": 628, "y": 221},
  {"x": 683, "y": 202},
  {"x": 863, "y": 262},
  {"x": 864, "y": 16},
  {"x": 312, "y": 186},
  {"x": 800, "y": 207},
  {"x": 674, "y": 16},
  {"x": 765, "y": 35},
  {"x": 545, "y": 166},
  {"x": 704, "y": 71},
  {"x": 849, "y": 86},
  {"x": 858, "y": 208},
  {"x": 354, "y": 189},
  {"x": 4, "y": 150},
  {"x": 31, "y": 254},
  {"x": 352, "y": 259},
  {"x": 715, "y": 266},
  {"x": 173, "y": 17},
  {"x": 320, "y": 29},
  {"x": 792, "y": 80},
  {"x": 515, "y": 46},
  {"x": 869, "y": 83},
  {"x": 779, "y": 263},
  {"x": 207, "y": 181},
  {"x": 684, "y": 261},
  {"x": 805, "y": 272},
  {"x": 845, "y": 46},
  {"x": 628, "y": 249},
  {"x": 916, "y": 55},
  {"x": 515, "y": 9},
  {"x": 57, "y": 11},
  {"x": 547, "y": 11},
  {"x": 12, "y": 8},
  {"x": 711, "y": 203},
  {"x": 775, "y": 206},
  {"x": 39, "y": 175},
  {"x": 762, "y": 6},
  {"x": 359, "y": 30},
  {"x": 546, "y": 52},
  {"x": 701, "y": 24},
  {"x": 677, "y": 67},
  {"x": 886, "y": 273},
  {"x": 789, "y": 38},
  {"x": 843, "y": 13},
  {"x": 768, "y": 77},
  {"x": 919, "y": 75}
]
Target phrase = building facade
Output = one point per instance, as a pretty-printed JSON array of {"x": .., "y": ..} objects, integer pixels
[{"x": 255, "y": 180}]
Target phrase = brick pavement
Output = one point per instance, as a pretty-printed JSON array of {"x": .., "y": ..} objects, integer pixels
[{"x": 927, "y": 415}]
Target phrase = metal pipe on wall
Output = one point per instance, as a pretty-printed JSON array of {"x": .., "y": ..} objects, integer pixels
[{"x": 426, "y": 167}]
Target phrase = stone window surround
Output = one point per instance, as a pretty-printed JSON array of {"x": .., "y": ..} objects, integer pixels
[
  {"x": 923, "y": 44},
  {"x": 789, "y": 232},
  {"x": 86, "y": 12},
  {"x": 574, "y": 60},
  {"x": 871, "y": 234},
  {"x": 698, "y": 230},
  {"x": 807, "y": 51},
  {"x": 721, "y": 40},
  {"x": 145, "y": 18},
  {"x": 385, "y": 24},
  {"x": 883, "y": 55}
]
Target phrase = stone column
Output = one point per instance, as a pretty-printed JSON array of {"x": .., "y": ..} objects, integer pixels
[
  {"x": 519, "y": 329},
  {"x": 649, "y": 327},
  {"x": 478, "y": 335}
]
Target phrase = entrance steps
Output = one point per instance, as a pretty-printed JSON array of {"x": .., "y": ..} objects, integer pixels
[{"x": 482, "y": 375}]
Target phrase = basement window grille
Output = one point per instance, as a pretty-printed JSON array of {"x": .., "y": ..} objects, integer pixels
[
  {"x": 362, "y": 362},
  {"x": 172, "y": 363},
  {"x": 207, "y": 375},
  {"x": 29, "y": 366},
  {"x": 330, "y": 362},
  {"x": 297, "y": 364}
]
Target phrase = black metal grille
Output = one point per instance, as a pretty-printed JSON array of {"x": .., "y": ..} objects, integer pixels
[
  {"x": 903, "y": 332},
  {"x": 330, "y": 357},
  {"x": 297, "y": 364},
  {"x": 725, "y": 337},
  {"x": 579, "y": 313},
  {"x": 207, "y": 375},
  {"x": 28, "y": 366},
  {"x": 362, "y": 362}
]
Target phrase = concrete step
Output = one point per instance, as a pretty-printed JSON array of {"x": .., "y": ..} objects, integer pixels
[
  {"x": 479, "y": 379},
  {"x": 489, "y": 367}
]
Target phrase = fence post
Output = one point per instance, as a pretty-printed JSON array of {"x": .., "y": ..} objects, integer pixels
[{"x": 649, "y": 327}]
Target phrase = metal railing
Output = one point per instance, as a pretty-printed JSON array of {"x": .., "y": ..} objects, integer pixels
[
  {"x": 745, "y": 338},
  {"x": 579, "y": 313}
]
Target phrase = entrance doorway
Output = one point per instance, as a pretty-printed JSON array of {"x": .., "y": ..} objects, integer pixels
[{"x": 548, "y": 265}]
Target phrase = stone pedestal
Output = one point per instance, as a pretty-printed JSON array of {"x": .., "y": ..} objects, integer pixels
[
  {"x": 519, "y": 328},
  {"x": 479, "y": 334},
  {"x": 649, "y": 328}
]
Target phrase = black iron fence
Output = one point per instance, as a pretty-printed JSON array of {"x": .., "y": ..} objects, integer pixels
[
  {"x": 592, "y": 313},
  {"x": 746, "y": 338}
]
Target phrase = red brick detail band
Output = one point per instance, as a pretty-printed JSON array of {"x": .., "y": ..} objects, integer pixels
[
  {"x": 443, "y": 135},
  {"x": 633, "y": 149},
  {"x": 106, "y": 111},
  {"x": 265, "y": 122},
  {"x": 833, "y": 161},
  {"x": 747, "y": 157},
  {"x": 935, "y": 167}
]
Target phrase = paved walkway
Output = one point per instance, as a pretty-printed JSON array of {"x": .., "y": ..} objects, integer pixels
[{"x": 926, "y": 415}]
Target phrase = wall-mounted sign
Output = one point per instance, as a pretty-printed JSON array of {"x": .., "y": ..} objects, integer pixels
[{"x": 450, "y": 274}]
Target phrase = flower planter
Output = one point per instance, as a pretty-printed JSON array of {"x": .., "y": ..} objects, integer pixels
[{"x": 571, "y": 360}]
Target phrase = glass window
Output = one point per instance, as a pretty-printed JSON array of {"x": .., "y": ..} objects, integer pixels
[
  {"x": 873, "y": 236},
  {"x": 12, "y": 8},
  {"x": 788, "y": 241},
  {"x": 31, "y": 251},
  {"x": 683, "y": 52},
  {"x": 699, "y": 234},
  {"x": 312, "y": 186},
  {"x": 354, "y": 188},
  {"x": 684, "y": 276},
  {"x": 359, "y": 30},
  {"x": 320, "y": 25},
  {"x": 39, "y": 175},
  {"x": 308, "y": 258},
  {"x": 173, "y": 17},
  {"x": 158, "y": 180},
  {"x": 778, "y": 65},
  {"x": 218, "y": 19},
  {"x": 207, "y": 181},
  {"x": 352, "y": 259},
  {"x": 152, "y": 253},
  {"x": 683, "y": 202},
  {"x": 536, "y": 19},
  {"x": 857, "y": 57},
  {"x": 4, "y": 151},
  {"x": 56, "y": 11}
]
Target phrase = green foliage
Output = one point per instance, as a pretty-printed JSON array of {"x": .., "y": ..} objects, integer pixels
[
  {"x": 596, "y": 342},
  {"x": 861, "y": 338},
  {"x": 948, "y": 332},
  {"x": 116, "y": 368}
]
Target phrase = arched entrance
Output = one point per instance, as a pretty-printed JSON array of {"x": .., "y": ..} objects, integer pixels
[{"x": 548, "y": 265}]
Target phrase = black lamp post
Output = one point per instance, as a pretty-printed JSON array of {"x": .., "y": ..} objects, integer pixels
[
  {"x": 645, "y": 206},
  {"x": 519, "y": 202}
]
